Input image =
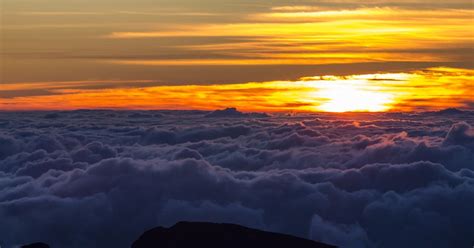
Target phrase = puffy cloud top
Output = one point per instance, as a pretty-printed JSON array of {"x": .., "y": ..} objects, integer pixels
[{"x": 96, "y": 178}]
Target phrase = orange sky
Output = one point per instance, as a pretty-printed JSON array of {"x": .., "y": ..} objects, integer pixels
[
  {"x": 201, "y": 55},
  {"x": 431, "y": 89}
]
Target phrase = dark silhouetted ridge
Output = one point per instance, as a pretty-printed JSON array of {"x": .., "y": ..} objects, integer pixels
[
  {"x": 449, "y": 111},
  {"x": 36, "y": 245},
  {"x": 213, "y": 235},
  {"x": 233, "y": 113}
]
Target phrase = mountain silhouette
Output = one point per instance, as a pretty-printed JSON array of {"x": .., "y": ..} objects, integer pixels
[
  {"x": 233, "y": 113},
  {"x": 213, "y": 235},
  {"x": 449, "y": 111}
]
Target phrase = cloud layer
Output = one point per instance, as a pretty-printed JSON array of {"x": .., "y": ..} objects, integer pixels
[{"x": 100, "y": 178}]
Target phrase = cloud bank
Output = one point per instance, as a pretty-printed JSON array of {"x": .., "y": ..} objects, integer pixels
[{"x": 100, "y": 178}]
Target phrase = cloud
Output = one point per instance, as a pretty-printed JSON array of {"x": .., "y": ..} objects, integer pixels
[
  {"x": 8, "y": 146},
  {"x": 354, "y": 180},
  {"x": 461, "y": 134},
  {"x": 53, "y": 88}
]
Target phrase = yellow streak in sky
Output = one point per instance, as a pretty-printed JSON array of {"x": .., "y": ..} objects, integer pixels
[
  {"x": 312, "y": 36},
  {"x": 322, "y": 59}
]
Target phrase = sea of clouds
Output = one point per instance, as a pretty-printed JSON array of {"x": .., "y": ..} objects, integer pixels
[{"x": 100, "y": 178}]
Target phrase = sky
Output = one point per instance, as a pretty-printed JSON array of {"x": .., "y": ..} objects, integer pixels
[{"x": 404, "y": 55}]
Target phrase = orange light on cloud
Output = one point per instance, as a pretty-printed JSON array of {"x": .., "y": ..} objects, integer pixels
[{"x": 429, "y": 89}]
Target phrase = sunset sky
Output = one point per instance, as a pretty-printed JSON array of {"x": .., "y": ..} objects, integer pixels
[
  {"x": 328, "y": 55},
  {"x": 346, "y": 122}
]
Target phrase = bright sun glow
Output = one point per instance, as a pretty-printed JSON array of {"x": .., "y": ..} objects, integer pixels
[{"x": 352, "y": 95}]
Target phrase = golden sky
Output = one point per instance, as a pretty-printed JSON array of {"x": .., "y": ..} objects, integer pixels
[
  {"x": 185, "y": 54},
  {"x": 429, "y": 89}
]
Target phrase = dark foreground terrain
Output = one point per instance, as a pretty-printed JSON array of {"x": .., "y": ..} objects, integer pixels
[{"x": 213, "y": 235}]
